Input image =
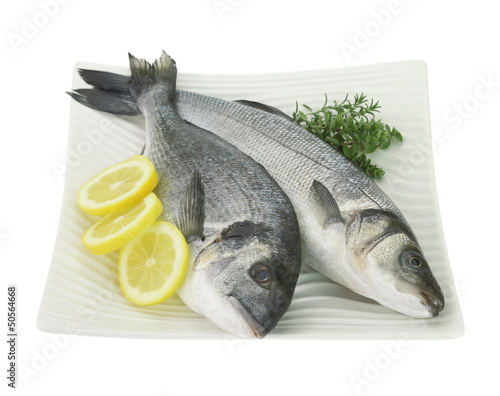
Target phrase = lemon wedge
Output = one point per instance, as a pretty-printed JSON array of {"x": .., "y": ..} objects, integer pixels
[
  {"x": 152, "y": 266},
  {"x": 115, "y": 230},
  {"x": 118, "y": 186}
]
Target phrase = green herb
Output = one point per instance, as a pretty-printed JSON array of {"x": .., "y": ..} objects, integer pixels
[{"x": 350, "y": 127}]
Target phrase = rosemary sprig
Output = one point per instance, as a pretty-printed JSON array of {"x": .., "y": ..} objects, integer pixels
[{"x": 350, "y": 127}]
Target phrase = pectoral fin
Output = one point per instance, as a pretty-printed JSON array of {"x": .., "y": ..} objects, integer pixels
[
  {"x": 323, "y": 206},
  {"x": 192, "y": 209}
]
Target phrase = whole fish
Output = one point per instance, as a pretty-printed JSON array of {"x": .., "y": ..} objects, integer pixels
[
  {"x": 241, "y": 228},
  {"x": 350, "y": 229}
]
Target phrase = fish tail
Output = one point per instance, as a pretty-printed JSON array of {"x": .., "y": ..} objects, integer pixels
[
  {"x": 146, "y": 76},
  {"x": 110, "y": 102},
  {"x": 117, "y": 94},
  {"x": 105, "y": 81},
  {"x": 111, "y": 92}
]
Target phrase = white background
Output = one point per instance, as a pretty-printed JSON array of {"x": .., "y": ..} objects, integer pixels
[{"x": 459, "y": 42}]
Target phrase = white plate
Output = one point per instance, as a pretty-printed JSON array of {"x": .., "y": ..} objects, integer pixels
[{"x": 82, "y": 294}]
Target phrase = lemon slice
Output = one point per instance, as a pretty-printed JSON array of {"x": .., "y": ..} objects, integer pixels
[
  {"x": 116, "y": 229},
  {"x": 153, "y": 265},
  {"x": 118, "y": 187}
]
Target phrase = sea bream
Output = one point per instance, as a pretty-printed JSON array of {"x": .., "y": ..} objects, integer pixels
[
  {"x": 351, "y": 231},
  {"x": 241, "y": 228}
]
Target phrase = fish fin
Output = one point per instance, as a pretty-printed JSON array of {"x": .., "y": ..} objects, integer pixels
[
  {"x": 110, "y": 102},
  {"x": 146, "y": 76},
  {"x": 192, "y": 209},
  {"x": 264, "y": 107},
  {"x": 106, "y": 81},
  {"x": 323, "y": 205}
]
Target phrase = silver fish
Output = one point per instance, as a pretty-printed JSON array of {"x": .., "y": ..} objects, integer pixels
[
  {"x": 241, "y": 228},
  {"x": 351, "y": 230}
]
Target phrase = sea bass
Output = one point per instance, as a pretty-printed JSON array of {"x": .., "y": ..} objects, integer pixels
[
  {"x": 350, "y": 229},
  {"x": 241, "y": 228}
]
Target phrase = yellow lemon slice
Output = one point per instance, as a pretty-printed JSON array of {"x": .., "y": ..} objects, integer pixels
[
  {"x": 118, "y": 187},
  {"x": 152, "y": 266},
  {"x": 116, "y": 229}
]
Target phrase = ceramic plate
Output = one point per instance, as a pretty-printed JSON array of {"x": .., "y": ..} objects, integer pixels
[{"x": 82, "y": 295}]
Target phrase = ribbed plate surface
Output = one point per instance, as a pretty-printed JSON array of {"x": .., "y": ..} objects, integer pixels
[{"x": 82, "y": 295}]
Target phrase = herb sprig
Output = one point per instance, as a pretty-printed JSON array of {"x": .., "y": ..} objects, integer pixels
[{"x": 350, "y": 127}]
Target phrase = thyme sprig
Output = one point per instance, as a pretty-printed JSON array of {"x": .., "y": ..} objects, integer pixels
[{"x": 350, "y": 127}]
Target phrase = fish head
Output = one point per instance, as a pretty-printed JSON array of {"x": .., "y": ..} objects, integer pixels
[
  {"x": 243, "y": 282},
  {"x": 390, "y": 263}
]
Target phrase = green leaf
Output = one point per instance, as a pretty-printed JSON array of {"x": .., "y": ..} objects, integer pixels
[
  {"x": 339, "y": 120},
  {"x": 385, "y": 137},
  {"x": 397, "y": 135},
  {"x": 346, "y": 151},
  {"x": 332, "y": 140},
  {"x": 385, "y": 145},
  {"x": 328, "y": 115}
]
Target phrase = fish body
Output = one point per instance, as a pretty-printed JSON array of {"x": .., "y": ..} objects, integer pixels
[
  {"x": 241, "y": 228},
  {"x": 351, "y": 230}
]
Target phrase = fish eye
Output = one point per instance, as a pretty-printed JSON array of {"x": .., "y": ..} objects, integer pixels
[
  {"x": 262, "y": 274},
  {"x": 413, "y": 260}
]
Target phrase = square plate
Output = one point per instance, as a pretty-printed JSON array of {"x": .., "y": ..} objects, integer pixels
[{"x": 82, "y": 295}]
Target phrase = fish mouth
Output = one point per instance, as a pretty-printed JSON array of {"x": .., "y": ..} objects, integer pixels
[
  {"x": 258, "y": 330},
  {"x": 429, "y": 297},
  {"x": 434, "y": 301}
]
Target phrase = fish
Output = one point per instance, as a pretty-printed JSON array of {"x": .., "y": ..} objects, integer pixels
[
  {"x": 351, "y": 231},
  {"x": 241, "y": 228}
]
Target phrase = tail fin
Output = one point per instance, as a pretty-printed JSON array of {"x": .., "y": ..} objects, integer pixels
[
  {"x": 117, "y": 94},
  {"x": 110, "y": 102},
  {"x": 105, "y": 80},
  {"x": 145, "y": 76}
]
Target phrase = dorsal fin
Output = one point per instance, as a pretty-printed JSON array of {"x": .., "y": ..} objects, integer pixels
[{"x": 264, "y": 107}]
